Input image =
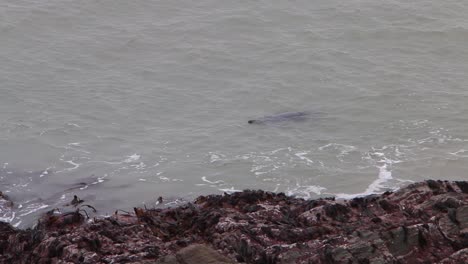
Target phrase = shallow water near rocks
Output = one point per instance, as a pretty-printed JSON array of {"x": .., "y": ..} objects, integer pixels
[{"x": 120, "y": 102}]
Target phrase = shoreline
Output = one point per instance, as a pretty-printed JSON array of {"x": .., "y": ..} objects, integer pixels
[{"x": 425, "y": 222}]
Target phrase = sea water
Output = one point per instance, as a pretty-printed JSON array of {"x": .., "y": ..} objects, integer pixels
[{"x": 120, "y": 102}]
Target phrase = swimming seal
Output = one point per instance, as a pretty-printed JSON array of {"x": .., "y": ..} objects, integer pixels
[{"x": 295, "y": 116}]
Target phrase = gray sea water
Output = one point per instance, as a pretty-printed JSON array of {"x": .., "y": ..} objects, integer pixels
[{"x": 120, "y": 102}]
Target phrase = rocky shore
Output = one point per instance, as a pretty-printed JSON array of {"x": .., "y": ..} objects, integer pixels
[{"x": 424, "y": 222}]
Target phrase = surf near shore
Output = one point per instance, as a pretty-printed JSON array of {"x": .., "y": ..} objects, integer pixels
[{"x": 425, "y": 222}]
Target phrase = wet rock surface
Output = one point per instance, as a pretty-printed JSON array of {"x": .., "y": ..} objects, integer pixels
[
  {"x": 6, "y": 205},
  {"x": 425, "y": 222}
]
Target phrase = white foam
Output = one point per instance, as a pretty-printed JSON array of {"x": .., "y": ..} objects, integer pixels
[
  {"x": 74, "y": 146},
  {"x": 45, "y": 172},
  {"x": 6, "y": 213},
  {"x": 99, "y": 180},
  {"x": 164, "y": 179},
  {"x": 74, "y": 164},
  {"x": 398, "y": 153},
  {"x": 258, "y": 167},
  {"x": 73, "y": 124},
  {"x": 301, "y": 155},
  {"x": 277, "y": 150},
  {"x": 460, "y": 153},
  {"x": 105, "y": 162},
  {"x": 376, "y": 186},
  {"x": 176, "y": 202},
  {"x": 7, "y": 217},
  {"x": 211, "y": 182},
  {"x": 343, "y": 148},
  {"x": 230, "y": 190},
  {"x": 139, "y": 166},
  {"x": 214, "y": 157},
  {"x": 33, "y": 208},
  {"x": 379, "y": 154},
  {"x": 132, "y": 158},
  {"x": 305, "y": 191},
  {"x": 277, "y": 187}
]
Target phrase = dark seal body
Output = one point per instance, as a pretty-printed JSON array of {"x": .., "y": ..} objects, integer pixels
[{"x": 294, "y": 116}]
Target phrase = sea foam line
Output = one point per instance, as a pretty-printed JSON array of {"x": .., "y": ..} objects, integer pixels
[
  {"x": 305, "y": 191},
  {"x": 211, "y": 182},
  {"x": 376, "y": 186}
]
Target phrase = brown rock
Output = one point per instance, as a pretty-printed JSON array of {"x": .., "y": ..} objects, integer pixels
[
  {"x": 196, "y": 254},
  {"x": 424, "y": 222}
]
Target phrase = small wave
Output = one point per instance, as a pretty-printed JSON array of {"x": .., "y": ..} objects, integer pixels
[
  {"x": 342, "y": 149},
  {"x": 46, "y": 172},
  {"x": 378, "y": 158},
  {"x": 462, "y": 153},
  {"x": 6, "y": 212},
  {"x": 278, "y": 150},
  {"x": 211, "y": 182},
  {"x": 129, "y": 159},
  {"x": 139, "y": 166},
  {"x": 71, "y": 162},
  {"x": 97, "y": 181},
  {"x": 258, "y": 169},
  {"x": 230, "y": 190},
  {"x": 215, "y": 157},
  {"x": 7, "y": 217},
  {"x": 176, "y": 202},
  {"x": 305, "y": 192},
  {"x": 132, "y": 158},
  {"x": 302, "y": 156},
  {"x": 376, "y": 186},
  {"x": 29, "y": 209},
  {"x": 76, "y": 146},
  {"x": 73, "y": 125},
  {"x": 164, "y": 179}
]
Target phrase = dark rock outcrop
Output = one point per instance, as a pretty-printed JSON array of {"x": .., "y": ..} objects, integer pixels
[
  {"x": 422, "y": 223},
  {"x": 195, "y": 254}
]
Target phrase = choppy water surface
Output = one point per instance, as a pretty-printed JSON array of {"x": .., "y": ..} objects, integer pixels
[{"x": 120, "y": 102}]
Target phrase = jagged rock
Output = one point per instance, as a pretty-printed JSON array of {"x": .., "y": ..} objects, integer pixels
[
  {"x": 196, "y": 254},
  {"x": 5, "y": 200},
  {"x": 460, "y": 256},
  {"x": 6, "y": 206},
  {"x": 425, "y": 222}
]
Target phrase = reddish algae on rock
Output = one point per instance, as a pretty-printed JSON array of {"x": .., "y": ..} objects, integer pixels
[{"x": 424, "y": 222}]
